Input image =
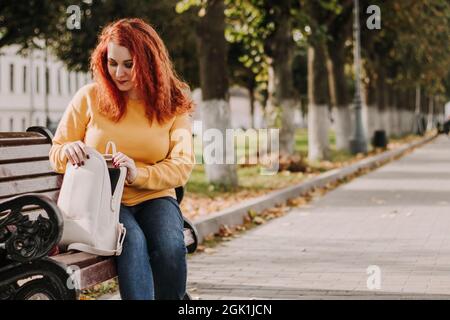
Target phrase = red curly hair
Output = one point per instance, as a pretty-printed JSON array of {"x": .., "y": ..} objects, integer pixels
[{"x": 164, "y": 94}]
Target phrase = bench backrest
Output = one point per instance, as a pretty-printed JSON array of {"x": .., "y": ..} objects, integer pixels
[{"x": 25, "y": 166}]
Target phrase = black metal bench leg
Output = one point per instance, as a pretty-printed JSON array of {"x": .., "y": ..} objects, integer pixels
[{"x": 38, "y": 280}]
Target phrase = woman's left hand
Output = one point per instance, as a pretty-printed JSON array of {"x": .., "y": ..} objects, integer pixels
[{"x": 122, "y": 160}]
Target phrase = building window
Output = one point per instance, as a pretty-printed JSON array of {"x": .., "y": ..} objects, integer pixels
[
  {"x": 59, "y": 82},
  {"x": 11, "y": 77},
  {"x": 37, "y": 79},
  {"x": 23, "y": 124},
  {"x": 69, "y": 83},
  {"x": 77, "y": 80},
  {"x": 11, "y": 124},
  {"x": 25, "y": 78},
  {"x": 47, "y": 80}
]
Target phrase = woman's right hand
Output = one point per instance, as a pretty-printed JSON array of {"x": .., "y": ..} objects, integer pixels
[{"x": 76, "y": 152}]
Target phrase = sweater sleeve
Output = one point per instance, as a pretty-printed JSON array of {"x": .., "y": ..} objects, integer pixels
[
  {"x": 72, "y": 127},
  {"x": 175, "y": 169}
]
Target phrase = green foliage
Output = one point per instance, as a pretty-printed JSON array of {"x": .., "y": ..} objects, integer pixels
[
  {"x": 25, "y": 21},
  {"x": 317, "y": 17},
  {"x": 29, "y": 23},
  {"x": 184, "y": 5},
  {"x": 245, "y": 33},
  {"x": 412, "y": 44}
]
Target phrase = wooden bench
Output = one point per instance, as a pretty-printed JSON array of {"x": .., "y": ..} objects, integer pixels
[{"x": 31, "y": 226}]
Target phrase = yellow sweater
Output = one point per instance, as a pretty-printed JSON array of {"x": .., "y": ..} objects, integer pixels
[{"x": 163, "y": 155}]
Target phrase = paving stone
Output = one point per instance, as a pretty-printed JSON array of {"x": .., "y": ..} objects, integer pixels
[{"x": 395, "y": 217}]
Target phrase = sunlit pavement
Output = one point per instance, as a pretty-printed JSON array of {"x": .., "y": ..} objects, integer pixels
[{"x": 383, "y": 235}]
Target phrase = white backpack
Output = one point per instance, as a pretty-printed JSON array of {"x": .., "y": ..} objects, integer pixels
[{"x": 90, "y": 199}]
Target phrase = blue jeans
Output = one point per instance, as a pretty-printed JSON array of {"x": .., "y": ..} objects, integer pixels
[{"x": 153, "y": 260}]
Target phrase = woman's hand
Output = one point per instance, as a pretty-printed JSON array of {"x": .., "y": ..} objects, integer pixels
[
  {"x": 76, "y": 152},
  {"x": 122, "y": 160}
]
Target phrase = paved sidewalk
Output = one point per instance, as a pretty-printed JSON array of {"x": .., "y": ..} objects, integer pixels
[{"x": 396, "y": 218}]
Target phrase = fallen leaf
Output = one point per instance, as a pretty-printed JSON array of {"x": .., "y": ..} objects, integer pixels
[
  {"x": 225, "y": 231},
  {"x": 200, "y": 248},
  {"x": 209, "y": 237},
  {"x": 252, "y": 213},
  {"x": 259, "y": 220},
  {"x": 296, "y": 202}
]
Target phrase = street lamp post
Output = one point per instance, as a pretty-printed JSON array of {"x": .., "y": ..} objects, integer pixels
[{"x": 358, "y": 140}]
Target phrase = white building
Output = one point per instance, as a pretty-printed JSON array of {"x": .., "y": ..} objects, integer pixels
[{"x": 25, "y": 89}]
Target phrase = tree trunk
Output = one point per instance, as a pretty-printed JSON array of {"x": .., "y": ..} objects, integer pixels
[
  {"x": 411, "y": 109},
  {"x": 282, "y": 99},
  {"x": 370, "y": 109},
  {"x": 251, "y": 91},
  {"x": 392, "y": 98},
  {"x": 381, "y": 96},
  {"x": 417, "y": 128},
  {"x": 430, "y": 113},
  {"x": 339, "y": 88},
  {"x": 405, "y": 114},
  {"x": 383, "y": 103},
  {"x": 318, "y": 121},
  {"x": 215, "y": 108},
  {"x": 399, "y": 108}
]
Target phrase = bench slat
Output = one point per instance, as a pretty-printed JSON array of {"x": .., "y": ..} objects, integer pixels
[
  {"x": 23, "y": 169},
  {"x": 53, "y": 195},
  {"x": 81, "y": 259},
  {"x": 21, "y": 138},
  {"x": 97, "y": 269},
  {"x": 17, "y": 187},
  {"x": 19, "y": 153},
  {"x": 97, "y": 273}
]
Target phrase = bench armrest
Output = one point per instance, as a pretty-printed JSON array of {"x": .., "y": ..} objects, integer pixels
[
  {"x": 190, "y": 236},
  {"x": 25, "y": 239}
]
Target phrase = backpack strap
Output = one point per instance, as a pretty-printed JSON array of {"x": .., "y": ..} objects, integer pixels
[
  {"x": 112, "y": 145},
  {"x": 122, "y": 233},
  {"x": 103, "y": 252},
  {"x": 116, "y": 197}
]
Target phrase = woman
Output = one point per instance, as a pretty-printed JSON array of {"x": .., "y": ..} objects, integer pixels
[{"x": 138, "y": 102}]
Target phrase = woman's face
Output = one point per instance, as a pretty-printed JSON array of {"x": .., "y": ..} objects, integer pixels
[{"x": 120, "y": 63}]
